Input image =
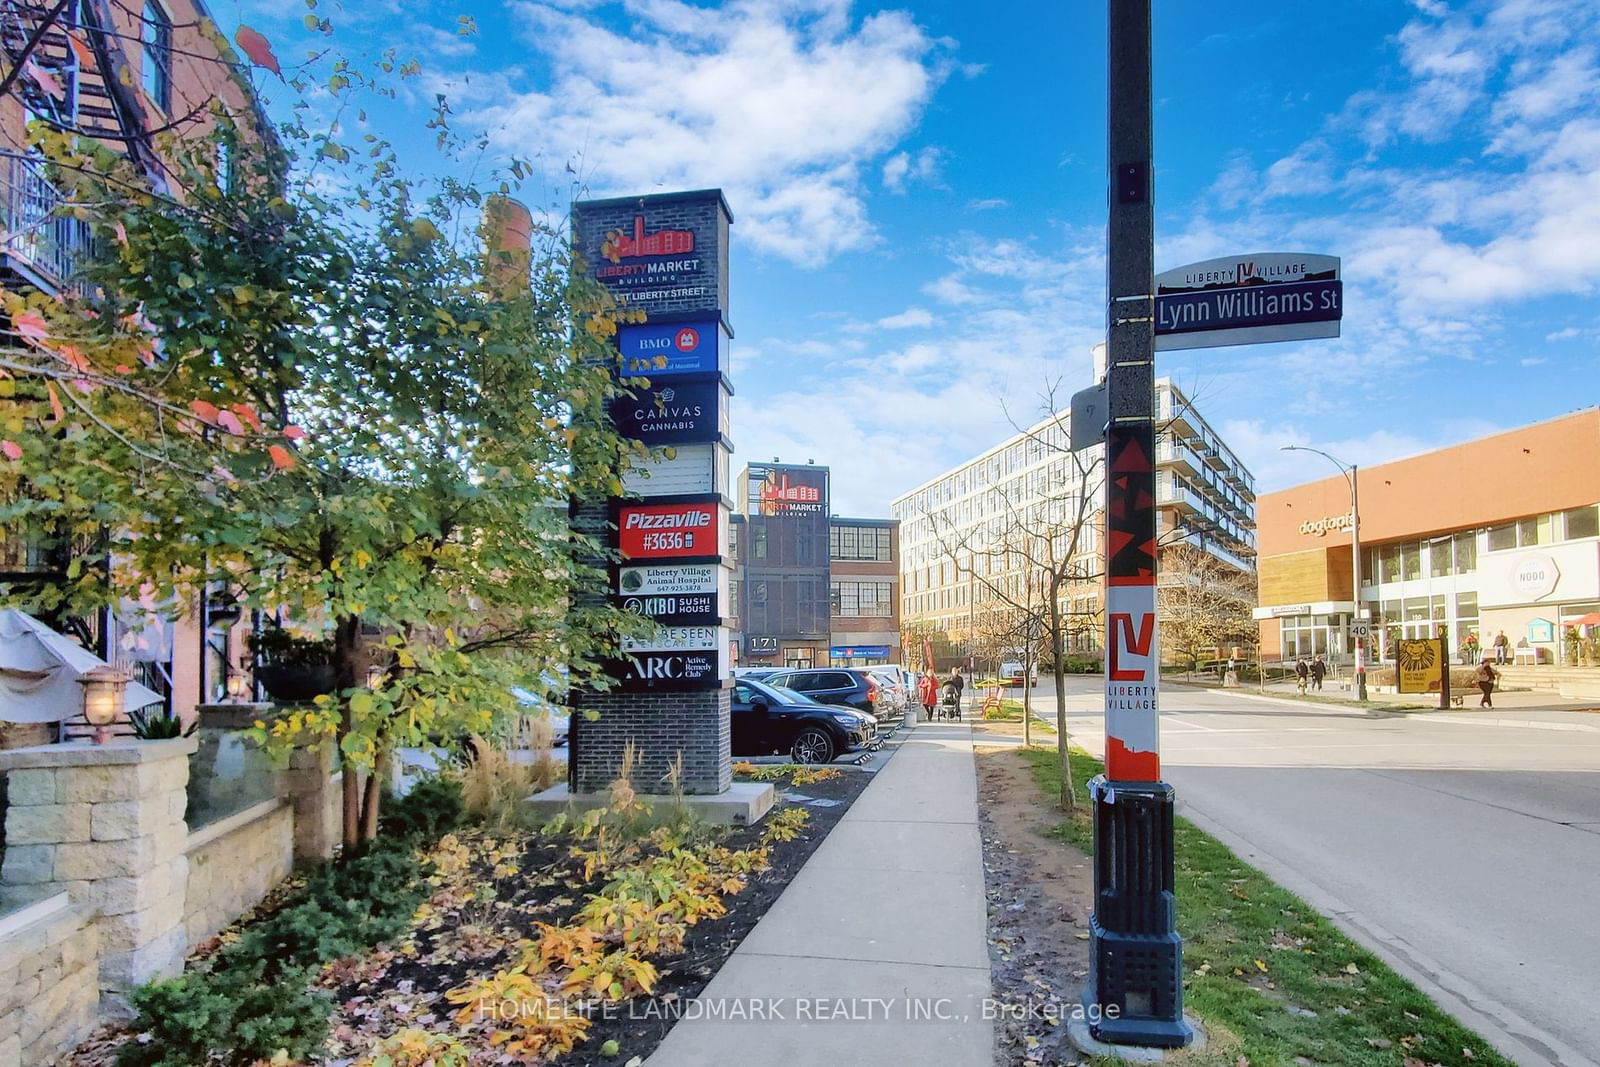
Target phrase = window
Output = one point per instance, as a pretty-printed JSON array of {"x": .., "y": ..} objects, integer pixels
[
  {"x": 1440, "y": 558},
  {"x": 859, "y": 543},
  {"x": 1529, "y": 530},
  {"x": 758, "y": 540},
  {"x": 1369, "y": 566},
  {"x": 1466, "y": 605},
  {"x": 1466, "y": 551},
  {"x": 1411, "y": 561},
  {"x": 1389, "y": 560},
  {"x": 156, "y": 34},
  {"x": 1582, "y": 522},
  {"x": 1502, "y": 537}
]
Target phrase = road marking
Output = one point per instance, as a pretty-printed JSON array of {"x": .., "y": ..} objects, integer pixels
[{"x": 1521, "y": 724}]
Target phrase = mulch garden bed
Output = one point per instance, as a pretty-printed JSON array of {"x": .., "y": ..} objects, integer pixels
[
  {"x": 491, "y": 892},
  {"x": 1040, "y": 894}
]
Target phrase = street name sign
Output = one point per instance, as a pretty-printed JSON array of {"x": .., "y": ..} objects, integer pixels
[{"x": 1248, "y": 299}]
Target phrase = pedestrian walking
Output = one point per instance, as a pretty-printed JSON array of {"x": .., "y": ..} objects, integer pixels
[
  {"x": 1485, "y": 676},
  {"x": 1319, "y": 671},
  {"x": 928, "y": 692},
  {"x": 1502, "y": 647},
  {"x": 1302, "y": 674}
]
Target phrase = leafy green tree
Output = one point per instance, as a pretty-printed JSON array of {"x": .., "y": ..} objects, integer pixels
[{"x": 341, "y": 394}]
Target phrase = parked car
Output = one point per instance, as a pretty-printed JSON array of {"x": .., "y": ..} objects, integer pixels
[
  {"x": 899, "y": 695},
  {"x": 1011, "y": 674},
  {"x": 758, "y": 673},
  {"x": 533, "y": 704},
  {"x": 855, "y": 687},
  {"x": 767, "y": 719}
]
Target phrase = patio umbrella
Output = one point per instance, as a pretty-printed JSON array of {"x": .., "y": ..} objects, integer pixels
[
  {"x": 1591, "y": 619},
  {"x": 39, "y": 671}
]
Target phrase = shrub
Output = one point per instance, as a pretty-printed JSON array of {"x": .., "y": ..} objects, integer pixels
[
  {"x": 234, "y": 1013},
  {"x": 159, "y": 725},
  {"x": 432, "y": 808},
  {"x": 494, "y": 787},
  {"x": 256, "y": 1000}
]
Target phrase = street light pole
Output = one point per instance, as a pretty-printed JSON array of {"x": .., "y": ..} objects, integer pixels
[{"x": 1351, "y": 479}]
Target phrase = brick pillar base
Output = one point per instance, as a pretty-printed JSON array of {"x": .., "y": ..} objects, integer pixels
[
  {"x": 309, "y": 787},
  {"x": 661, "y": 726},
  {"x": 105, "y": 823}
]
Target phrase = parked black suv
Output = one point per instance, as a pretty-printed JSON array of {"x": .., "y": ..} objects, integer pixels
[
  {"x": 766, "y": 719},
  {"x": 855, "y": 686}
]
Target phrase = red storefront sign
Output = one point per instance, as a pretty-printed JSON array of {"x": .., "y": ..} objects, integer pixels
[{"x": 667, "y": 531}]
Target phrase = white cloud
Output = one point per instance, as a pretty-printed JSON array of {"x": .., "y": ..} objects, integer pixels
[
  {"x": 1565, "y": 334},
  {"x": 903, "y": 168},
  {"x": 910, "y": 318},
  {"x": 990, "y": 203},
  {"x": 781, "y": 104}
]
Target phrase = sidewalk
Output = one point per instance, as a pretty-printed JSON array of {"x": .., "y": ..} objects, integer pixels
[{"x": 876, "y": 952}]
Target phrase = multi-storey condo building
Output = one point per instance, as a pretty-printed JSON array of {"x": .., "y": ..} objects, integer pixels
[
  {"x": 960, "y": 532},
  {"x": 127, "y": 75}
]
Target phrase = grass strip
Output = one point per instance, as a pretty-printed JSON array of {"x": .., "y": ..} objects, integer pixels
[
  {"x": 1010, "y": 710},
  {"x": 1272, "y": 980}
]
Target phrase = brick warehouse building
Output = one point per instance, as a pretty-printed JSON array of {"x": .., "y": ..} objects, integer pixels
[
  {"x": 113, "y": 72},
  {"x": 809, "y": 589},
  {"x": 1500, "y": 534}
]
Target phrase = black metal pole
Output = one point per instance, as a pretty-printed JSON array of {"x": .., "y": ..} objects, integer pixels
[{"x": 1135, "y": 994}]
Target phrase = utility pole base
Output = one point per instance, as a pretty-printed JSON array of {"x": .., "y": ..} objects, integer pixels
[{"x": 1135, "y": 991}]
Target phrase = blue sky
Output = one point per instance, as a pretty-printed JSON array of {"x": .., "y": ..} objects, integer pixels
[{"x": 919, "y": 205}]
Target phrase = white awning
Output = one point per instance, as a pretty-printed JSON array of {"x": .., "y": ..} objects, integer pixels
[{"x": 39, "y": 672}]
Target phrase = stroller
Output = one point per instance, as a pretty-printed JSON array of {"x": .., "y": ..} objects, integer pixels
[{"x": 950, "y": 702}]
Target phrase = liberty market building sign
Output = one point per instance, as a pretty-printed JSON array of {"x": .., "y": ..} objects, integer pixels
[{"x": 665, "y": 254}]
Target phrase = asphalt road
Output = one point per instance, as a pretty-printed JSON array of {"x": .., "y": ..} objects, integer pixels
[{"x": 1467, "y": 854}]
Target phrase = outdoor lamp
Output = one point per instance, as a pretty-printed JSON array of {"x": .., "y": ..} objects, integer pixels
[
  {"x": 236, "y": 687},
  {"x": 375, "y": 675},
  {"x": 102, "y": 698}
]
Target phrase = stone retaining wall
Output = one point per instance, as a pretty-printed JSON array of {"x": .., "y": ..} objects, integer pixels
[
  {"x": 104, "y": 825},
  {"x": 233, "y": 864},
  {"x": 49, "y": 985}
]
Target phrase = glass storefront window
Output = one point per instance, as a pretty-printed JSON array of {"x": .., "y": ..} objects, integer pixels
[
  {"x": 1466, "y": 605},
  {"x": 1416, "y": 609},
  {"x": 1437, "y": 605},
  {"x": 1390, "y": 562},
  {"x": 1528, "y": 531},
  {"x": 1582, "y": 522},
  {"x": 1466, "y": 552},
  {"x": 1440, "y": 558},
  {"x": 1411, "y": 561},
  {"x": 1502, "y": 537},
  {"x": 1369, "y": 566}
]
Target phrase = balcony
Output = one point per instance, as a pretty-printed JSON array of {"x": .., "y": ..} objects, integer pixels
[
  {"x": 1169, "y": 451},
  {"x": 42, "y": 246}
]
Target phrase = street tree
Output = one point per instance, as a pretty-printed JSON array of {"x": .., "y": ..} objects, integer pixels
[
  {"x": 1203, "y": 603},
  {"x": 1030, "y": 556}
]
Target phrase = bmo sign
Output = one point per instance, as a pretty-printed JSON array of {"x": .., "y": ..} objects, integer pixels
[
  {"x": 676, "y": 530},
  {"x": 665, "y": 349}
]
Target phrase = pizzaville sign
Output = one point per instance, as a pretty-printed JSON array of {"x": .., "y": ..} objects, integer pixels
[{"x": 1323, "y": 526}]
